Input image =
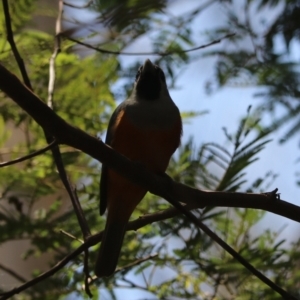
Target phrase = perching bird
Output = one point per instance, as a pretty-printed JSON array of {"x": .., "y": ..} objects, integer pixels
[{"x": 146, "y": 128}]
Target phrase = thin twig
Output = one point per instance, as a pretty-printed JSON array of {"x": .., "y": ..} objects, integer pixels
[
  {"x": 73, "y": 196},
  {"x": 48, "y": 273},
  {"x": 71, "y": 236},
  {"x": 10, "y": 38},
  {"x": 33, "y": 154},
  {"x": 147, "y": 53},
  {"x": 86, "y": 271},
  {"x": 128, "y": 266},
  {"x": 56, "y": 152},
  {"x": 57, "y": 50},
  {"x": 136, "y": 262},
  {"x": 206, "y": 45},
  {"x": 12, "y": 273}
]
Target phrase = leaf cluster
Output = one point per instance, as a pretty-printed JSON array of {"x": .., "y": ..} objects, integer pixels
[{"x": 262, "y": 53}]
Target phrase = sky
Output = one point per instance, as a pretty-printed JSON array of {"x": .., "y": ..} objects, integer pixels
[{"x": 226, "y": 107}]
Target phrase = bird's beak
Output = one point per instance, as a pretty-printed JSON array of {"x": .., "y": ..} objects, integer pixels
[
  {"x": 148, "y": 83},
  {"x": 148, "y": 68}
]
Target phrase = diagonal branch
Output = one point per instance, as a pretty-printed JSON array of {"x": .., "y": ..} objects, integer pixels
[
  {"x": 229, "y": 249},
  {"x": 10, "y": 38},
  {"x": 12, "y": 273},
  {"x": 33, "y": 154},
  {"x": 159, "y": 185},
  {"x": 74, "y": 137}
]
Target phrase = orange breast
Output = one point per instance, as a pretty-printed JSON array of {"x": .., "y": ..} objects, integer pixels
[{"x": 151, "y": 147}]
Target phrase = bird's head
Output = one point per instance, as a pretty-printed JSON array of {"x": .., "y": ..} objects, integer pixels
[{"x": 150, "y": 82}]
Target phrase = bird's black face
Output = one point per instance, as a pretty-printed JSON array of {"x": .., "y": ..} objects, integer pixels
[{"x": 149, "y": 80}]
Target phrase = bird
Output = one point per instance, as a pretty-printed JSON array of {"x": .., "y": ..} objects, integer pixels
[{"x": 146, "y": 128}]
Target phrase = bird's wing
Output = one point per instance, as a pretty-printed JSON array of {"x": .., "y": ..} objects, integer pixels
[{"x": 104, "y": 172}]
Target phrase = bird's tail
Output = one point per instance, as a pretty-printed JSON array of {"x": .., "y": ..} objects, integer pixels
[{"x": 110, "y": 248}]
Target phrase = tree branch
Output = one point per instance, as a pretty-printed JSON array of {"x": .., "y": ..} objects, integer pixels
[
  {"x": 10, "y": 38},
  {"x": 146, "y": 53},
  {"x": 69, "y": 135},
  {"x": 128, "y": 266},
  {"x": 33, "y": 154},
  {"x": 159, "y": 185},
  {"x": 12, "y": 273}
]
